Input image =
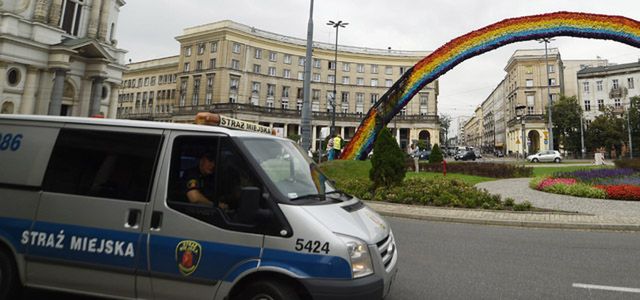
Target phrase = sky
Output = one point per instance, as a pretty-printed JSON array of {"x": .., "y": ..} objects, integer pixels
[{"x": 147, "y": 29}]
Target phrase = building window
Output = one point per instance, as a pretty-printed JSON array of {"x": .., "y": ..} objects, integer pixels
[
  {"x": 552, "y": 69},
  {"x": 287, "y": 59},
  {"x": 552, "y": 81},
  {"x": 617, "y": 103},
  {"x": 315, "y": 95},
  {"x": 153, "y": 81},
  {"x": 272, "y": 71},
  {"x": 374, "y": 98},
  {"x": 300, "y": 75},
  {"x": 187, "y": 51},
  {"x": 374, "y": 82},
  {"x": 346, "y": 67},
  {"x": 201, "y": 47},
  {"x": 256, "y": 69},
  {"x": 360, "y": 81},
  {"x": 234, "y": 86},
  {"x": 209, "y": 94},
  {"x": 630, "y": 83},
  {"x": 331, "y": 79},
  {"x": 273, "y": 56},
  {"x": 345, "y": 79},
  {"x": 196, "y": 92},
  {"x": 424, "y": 98},
  {"x": 388, "y": 83},
  {"x": 146, "y": 81},
  {"x": 585, "y": 87},
  {"x": 359, "y": 98},
  {"x": 360, "y": 68},
  {"x": 212, "y": 63},
  {"x": 236, "y": 48},
  {"x": 374, "y": 69},
  {"x": 214, "y": 47},
  {"x": 71, "y": 16},
  {"x": 316, "y": 63},
  {"x": 344, "y": 97},
  {"x": 258, "y": 53},
  {"x": 271, "y": 89},
  {"x": 286, "y": 73},
  {"x": 587, "y": 105},
  {"x": 528, "y": 69},
  {"x": 388, "y": 70},
  {"x": 199, "y": 65},
  {"x": 301, "y": 61},
  {"x": 235, "y": 64},
  {"x": 615, "y": 84},
  {"x": 332, "y": 65},
  {"x": 601, "y": 104},
  {"x": 599, "y": 85},
  {"x": 530, "y": 103},
  {"x": 529, "y": 83},
  {"x": 285, "y": 92},
  {"x": 187, "y": 67},
  {"x": 316, "y": 77}
]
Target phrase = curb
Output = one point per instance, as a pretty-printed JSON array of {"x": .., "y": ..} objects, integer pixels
[{"x": 511, "y": 223}]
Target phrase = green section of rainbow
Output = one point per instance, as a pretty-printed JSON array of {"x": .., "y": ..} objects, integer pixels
[{"x": 616, "y": 28}]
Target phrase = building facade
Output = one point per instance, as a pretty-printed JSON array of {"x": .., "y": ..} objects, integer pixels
[
  {"x": 60, "y": 57},
  {"x": 255, "y": 75},
  {"x": 607, "y": 86}
]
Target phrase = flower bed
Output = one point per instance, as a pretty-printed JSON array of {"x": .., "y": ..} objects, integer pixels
[{"x": 617, "y": 184}]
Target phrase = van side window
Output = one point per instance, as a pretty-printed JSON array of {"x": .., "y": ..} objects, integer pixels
[
  {"x": 222, "y": 188},
  {"x": 105, "y": 164}
]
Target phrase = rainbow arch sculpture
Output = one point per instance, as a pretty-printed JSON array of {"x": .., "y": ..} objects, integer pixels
[{"x": 594, "y": 26}]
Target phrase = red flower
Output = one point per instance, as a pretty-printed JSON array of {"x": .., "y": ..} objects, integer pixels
[{"x": 621, "y": 192}]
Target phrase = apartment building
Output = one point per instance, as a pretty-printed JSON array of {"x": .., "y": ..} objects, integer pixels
[
  {"x": 60, "y": 57},
  {"x": 256, "y": 75},
  {"x": 604, "y": 86}
]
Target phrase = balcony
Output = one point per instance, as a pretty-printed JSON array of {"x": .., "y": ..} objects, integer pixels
[
  {"x": 618, "y": 93},
  {"x": 527, "y": 119}
]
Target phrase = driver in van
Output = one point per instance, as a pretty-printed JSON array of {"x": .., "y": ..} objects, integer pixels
[{"x": 200, "y": 182}]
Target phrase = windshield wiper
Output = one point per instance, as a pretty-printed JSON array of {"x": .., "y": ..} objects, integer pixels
[
  {"x": 308, "y": 196},
  {"x": 338, "y": 192}
]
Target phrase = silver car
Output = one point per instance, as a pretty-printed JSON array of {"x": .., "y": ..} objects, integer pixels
[{"x": 545, "y": 156}]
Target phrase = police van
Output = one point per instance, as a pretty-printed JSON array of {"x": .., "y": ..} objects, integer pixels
[{"x": 100, "y": 207}]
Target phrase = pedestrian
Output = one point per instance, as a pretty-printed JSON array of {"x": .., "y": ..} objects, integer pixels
[
  {"x": 330, "y": 153},
  {"x": 337, "y": 146},
  {"x": 414, "y": 152}
]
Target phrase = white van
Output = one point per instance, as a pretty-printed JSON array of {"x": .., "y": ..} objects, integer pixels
[{"x": 104, "y": 207}]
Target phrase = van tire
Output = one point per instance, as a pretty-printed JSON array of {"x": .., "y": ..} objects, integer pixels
[
  {"x": 9, "y": 282},
  {"x": 268, "y": 290}
]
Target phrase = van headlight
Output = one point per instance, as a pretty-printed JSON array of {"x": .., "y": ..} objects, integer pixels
[{"x": 360, "y": 258}]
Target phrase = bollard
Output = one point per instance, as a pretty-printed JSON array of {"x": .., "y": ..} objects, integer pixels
[{"x": 444, "y": 167}]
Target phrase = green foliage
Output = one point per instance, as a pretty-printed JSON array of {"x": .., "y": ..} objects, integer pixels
[
  {"x": 606, "y": 130},
  {"x": 422, "y": 145},
  {"x": 524, "y": 206},
  {"x": 436, "y": 155},
  {"x": 577, "y": 190},
  {"x": 493, "y": 170},
  {"x": 634, "y": 123},
  {"x": 566, "y": 123},
  {"x": 535, "y": 182},
  {"x": 628, "y": 163},
  {"x": 509, "y": 202},
  {"x": 294, "y": 137},
  {"x": 388, "y": 166},
  {"x": 445, "y": 124}
]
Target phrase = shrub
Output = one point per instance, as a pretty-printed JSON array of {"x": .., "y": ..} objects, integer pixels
[
  {"x": 509, "y": 202},
  {"x": 628, "y": 163},
  {"x": 436, "y": 155},
  {"x": 493, "y": 170},
  {"x": 577, "y": 190},
  {"x": 555, "y": 181},
  {"x": 388, "y": 164},
  {"x": 522, "y": 206},
  {"x": 535, "y": 182}
]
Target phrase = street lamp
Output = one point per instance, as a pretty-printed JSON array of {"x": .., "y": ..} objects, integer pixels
[
  {"x": 335, "y": 25},
  {"x": 549, "y": 105},
  {"x": 520, "y": 110}
]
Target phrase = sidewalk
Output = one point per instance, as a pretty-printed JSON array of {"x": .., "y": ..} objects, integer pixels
[{"x": 590, "y": 214}]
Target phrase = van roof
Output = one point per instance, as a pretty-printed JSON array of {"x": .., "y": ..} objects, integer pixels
[{"x": 135, "y": 123}]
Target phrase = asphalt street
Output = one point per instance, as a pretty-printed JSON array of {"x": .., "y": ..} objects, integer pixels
[{"x": 461, "y": 261}]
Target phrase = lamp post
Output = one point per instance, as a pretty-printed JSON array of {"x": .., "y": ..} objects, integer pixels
[
  {"x": 549, "y": 105},
  {"x": 629, "y": 129},
  {"x": 582, "y": 149},
  {"x": 305, "y": 121},
  {"x": 335, "y": 25},
  {"x": 520, "y": 110}
]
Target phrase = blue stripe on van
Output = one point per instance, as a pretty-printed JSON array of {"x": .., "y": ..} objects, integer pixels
[
  {"x": 307, "y": 265},
  {"x": 11, "y": 229}
]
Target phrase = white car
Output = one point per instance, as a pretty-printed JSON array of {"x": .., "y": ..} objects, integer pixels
[{"x": 545, "y": 156}]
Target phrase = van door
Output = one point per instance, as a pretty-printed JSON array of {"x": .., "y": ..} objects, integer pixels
[
  {"x": 194, "y": 248},
  {"x": 87, "y": 234}
]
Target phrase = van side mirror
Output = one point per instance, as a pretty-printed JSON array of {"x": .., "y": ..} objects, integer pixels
[{"x": 248, "y": 210}]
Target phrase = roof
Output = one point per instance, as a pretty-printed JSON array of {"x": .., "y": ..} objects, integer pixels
[
  {"x": 609, "y": 68},
  {"x": 134, "y": 123}
]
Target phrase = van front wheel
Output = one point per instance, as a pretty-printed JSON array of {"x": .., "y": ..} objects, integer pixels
[
  {"x": 8, "y": 277},
  {"x": 268, "y": 290}
]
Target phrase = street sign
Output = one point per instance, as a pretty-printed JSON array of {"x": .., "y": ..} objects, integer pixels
[{"x": 546, "y": 142}]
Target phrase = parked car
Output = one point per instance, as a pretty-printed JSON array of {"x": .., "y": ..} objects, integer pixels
[
  {"x": 424, "y": 155},
  {"x": 499, "y": 153},
  {"x": 545, "y": 156},
  {"x": 466, "y": 155}
]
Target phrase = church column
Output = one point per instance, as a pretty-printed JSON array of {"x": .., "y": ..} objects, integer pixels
[
  {"x": 113, "y": 103},
  {"x": 94, "y": 19},
  {"x": 42, "y": 11},
  {"x": 104, "y": 20},
  {"x": 55, "y": 13},
  {"x": 56, "y": 95},
  {"x": 96, "y": 93},
  {"x": 27, "y": 105}
]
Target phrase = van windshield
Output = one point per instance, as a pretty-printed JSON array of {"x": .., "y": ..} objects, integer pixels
[{"x": 294, "y": 174}]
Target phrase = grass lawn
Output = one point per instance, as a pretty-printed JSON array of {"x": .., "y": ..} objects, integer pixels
[
  {"x": 544, "y": 171},
  {"x": 342, "y": 169}
]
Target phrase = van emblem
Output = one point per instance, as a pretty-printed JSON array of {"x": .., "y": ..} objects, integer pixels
[{"x": 188, "y": 255}]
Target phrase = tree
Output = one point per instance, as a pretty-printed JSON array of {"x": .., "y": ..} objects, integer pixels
[
  {"x": 566, "y": 123},
  {"x": 608, "y": 131},
  {"x": 388, "y": 166},
  {"x": 436, "y": 155},
  {"x": 634, "y": 122},
  {"x": 445, "y": 124}
]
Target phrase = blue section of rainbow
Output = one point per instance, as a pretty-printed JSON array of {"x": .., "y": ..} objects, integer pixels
[{"x": 594, "y": 26}]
